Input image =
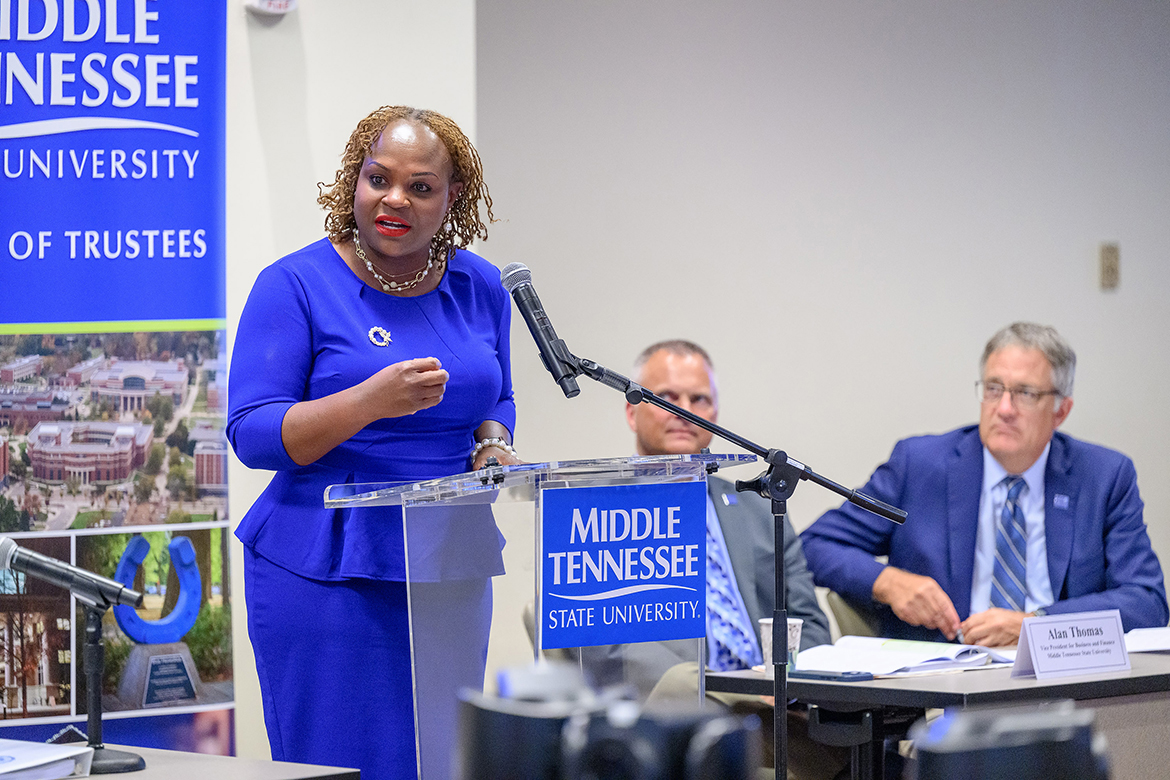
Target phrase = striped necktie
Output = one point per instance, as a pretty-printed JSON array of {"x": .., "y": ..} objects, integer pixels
[
  {"x": 1009, "y": 576},
  {"x": 735, "y": 647}
]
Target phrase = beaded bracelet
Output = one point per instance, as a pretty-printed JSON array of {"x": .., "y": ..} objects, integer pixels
[{"x": 496, "y": 442}]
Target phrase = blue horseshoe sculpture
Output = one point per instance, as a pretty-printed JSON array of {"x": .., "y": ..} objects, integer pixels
[{"x": 174, "y": 626}]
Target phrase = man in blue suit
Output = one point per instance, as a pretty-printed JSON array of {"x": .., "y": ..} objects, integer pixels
[{"x": 1005, "y": 520}]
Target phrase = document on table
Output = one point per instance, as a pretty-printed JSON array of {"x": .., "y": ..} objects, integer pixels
[
  {"x": 1147, "y": 640},
  {"x": 888, "y": 657},
  {"x": 21, "y": 760}
]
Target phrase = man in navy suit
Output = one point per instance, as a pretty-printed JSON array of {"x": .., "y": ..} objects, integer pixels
[{"x": 1005, "y": 520}]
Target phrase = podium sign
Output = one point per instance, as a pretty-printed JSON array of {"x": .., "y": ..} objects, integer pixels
[
  {"x": 621, "y": 564},
  {"x": 473, "y": 563}
]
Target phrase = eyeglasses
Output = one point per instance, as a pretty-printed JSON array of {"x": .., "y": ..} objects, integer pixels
[{"x": 1022, "y": 397}]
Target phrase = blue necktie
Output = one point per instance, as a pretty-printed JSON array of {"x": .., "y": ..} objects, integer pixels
[
  {"x": 735, "y": 647},
  {"x": 1009, "y": 576}
]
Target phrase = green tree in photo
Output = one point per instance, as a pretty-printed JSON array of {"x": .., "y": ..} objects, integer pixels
[
  {"x": 143, "y": 488},
  {"x": 217, "y": 558},
  {"x": 9, "y": 515},
  {"x": 179, "y": 437},
  {"x": 178, "y": 483},
  {"x": 210, "y": 642},
  {"x": 161, "y": 407},
  {"x": 154, "y": 461},
  {"x": 158, "y": 563},
  {"x": 201, "y": 543},
  {"x": 100, "y": 553}
]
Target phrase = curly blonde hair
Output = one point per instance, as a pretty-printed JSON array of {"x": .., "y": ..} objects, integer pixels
[{"x": 463, "y": 224}]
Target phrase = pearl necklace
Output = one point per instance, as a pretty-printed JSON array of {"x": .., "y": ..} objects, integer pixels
[{"x": 389, "y": 286}]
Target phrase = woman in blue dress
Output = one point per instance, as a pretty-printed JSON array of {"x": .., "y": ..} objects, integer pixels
[{"x": 379, "y": 353}]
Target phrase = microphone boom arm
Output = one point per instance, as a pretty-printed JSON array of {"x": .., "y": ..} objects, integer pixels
[{"x": 792, "y": 469}]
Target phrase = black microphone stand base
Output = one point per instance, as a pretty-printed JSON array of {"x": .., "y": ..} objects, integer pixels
[{"x": 110, "y": 762}]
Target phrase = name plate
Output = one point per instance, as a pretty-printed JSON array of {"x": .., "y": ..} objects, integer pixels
[{"x": 1076, "y": 643}]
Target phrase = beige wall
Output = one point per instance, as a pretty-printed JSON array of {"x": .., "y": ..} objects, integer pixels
[
  {"x": 297, "y": 85},
  {"x": 840, "y": 199}
]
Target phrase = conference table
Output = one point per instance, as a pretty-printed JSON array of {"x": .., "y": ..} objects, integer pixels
[
  {"x": 177, "y": 765},
  {"x": 1132, "y": 708}
]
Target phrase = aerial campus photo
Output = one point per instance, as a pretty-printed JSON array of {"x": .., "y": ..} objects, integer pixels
[
  {"x": 113, "y": 457},
  {"x": 110, "y": 430}
]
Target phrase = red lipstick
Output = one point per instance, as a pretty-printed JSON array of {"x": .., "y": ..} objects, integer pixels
[{"x": 392, "y": 226}]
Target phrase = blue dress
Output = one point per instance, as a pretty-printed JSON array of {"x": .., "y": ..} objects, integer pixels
[{"x": 325, "y": 587}]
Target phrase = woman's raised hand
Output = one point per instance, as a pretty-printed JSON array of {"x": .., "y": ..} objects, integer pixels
[
  {"x": 407, "y": 387},
  {"x": 312, "y": 428}
]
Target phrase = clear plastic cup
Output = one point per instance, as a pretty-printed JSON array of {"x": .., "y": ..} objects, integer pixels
[{"x": 794, "y": 628}]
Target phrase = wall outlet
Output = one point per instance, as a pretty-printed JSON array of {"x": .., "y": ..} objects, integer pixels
[{"x": 1110, "y": 266}]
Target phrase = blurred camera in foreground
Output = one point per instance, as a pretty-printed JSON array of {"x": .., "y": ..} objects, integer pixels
[
  {"x": 546, "y": 724},
  {"x": 1052, "y": 740}
]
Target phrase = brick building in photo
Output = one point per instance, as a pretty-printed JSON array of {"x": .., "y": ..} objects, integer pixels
[
  {"x": 91, "y": 452},
  {"x": 216, "y": 398},
  {"x": 210, "y": 458},
  {"x": 83, "y": 372},
  {"x": 24, "y": 410},
  {"x": 130, "y": 384},
  {"x": 215, "y": 370},
  {"x": 21, "y": 368},
  {"x": 34, "y": 638},
  {"x": 211, "y": 467}
]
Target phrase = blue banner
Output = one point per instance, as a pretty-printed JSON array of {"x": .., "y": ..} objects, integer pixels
[
  {"x": 112, "y": 146},
  {"x": 623, "y": 564},
  {"x": 112, "y": 351}
]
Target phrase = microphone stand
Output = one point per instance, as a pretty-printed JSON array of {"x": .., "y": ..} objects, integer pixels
[
  {"x": 97, "y": 594},
  {"x": 777, "y": 483},
  {"x": 105, "y": 760}
]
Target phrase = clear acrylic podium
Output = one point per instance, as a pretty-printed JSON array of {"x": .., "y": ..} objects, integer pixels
[{"x": 473, "y": 555}]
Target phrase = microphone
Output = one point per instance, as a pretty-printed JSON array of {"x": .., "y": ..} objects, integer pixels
[
  {"x": 517, "y": 280},
  {"x": 89, "y": 588}
]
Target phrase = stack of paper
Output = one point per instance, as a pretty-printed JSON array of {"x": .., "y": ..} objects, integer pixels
[
  {"x": 1147, "y": 640},
  {"x": 897, "y": 656},
  {"x": 39, "y": 761}
]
